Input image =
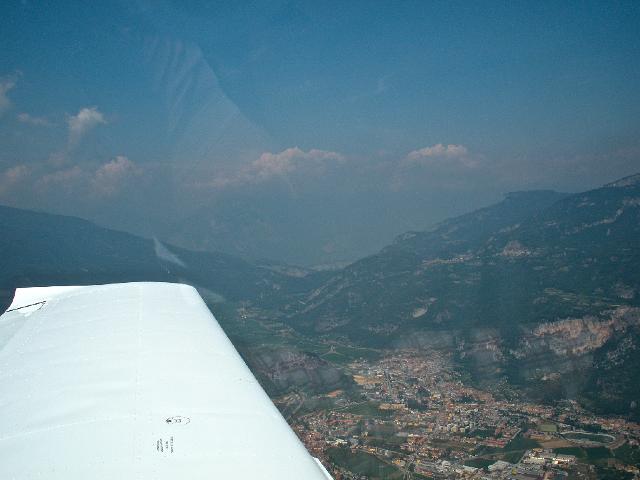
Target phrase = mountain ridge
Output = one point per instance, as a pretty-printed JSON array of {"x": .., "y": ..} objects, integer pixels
[
  {"x": 541, "y": 290},
  {"x": 44, "y": 249},
  {"x": 534, "y": 295}
]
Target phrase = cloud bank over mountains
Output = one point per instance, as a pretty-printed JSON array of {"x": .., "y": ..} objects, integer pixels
[{"x": 280, "y": 165}]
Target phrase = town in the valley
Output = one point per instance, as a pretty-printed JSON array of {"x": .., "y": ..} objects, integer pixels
[{"x": 409, "y": 415}]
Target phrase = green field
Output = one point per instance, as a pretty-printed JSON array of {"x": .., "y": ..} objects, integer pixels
[{"x": 478, "y": 462}]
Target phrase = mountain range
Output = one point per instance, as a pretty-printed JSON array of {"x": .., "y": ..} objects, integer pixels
[
  {"x": 539, "y": 293},
  {"x": 541, "y": 290}
]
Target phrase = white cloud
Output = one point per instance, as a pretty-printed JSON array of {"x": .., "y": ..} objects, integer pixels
[
  {"x": 67, "y": 180},
  {"x": 12, "y": 176},
  {"x": 110, "y": 177},
  {"x": 450, "y": 165},
  {"x": 6, "y": 84},
  {"x": 106, "y": 180},
  {"x": 282, "y": 164},
  {"x": 33, "y": 120},
  {"x": 273, "y": 164},
  {"x": 439, "y": 150},
  {"x": 442, "y": 155},
  {"x": 85, "y": 120}
]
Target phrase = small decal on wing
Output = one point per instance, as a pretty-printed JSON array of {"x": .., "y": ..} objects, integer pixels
[
  {"x": 164, "y": 446},
  {"x": 178, "y": 420}
]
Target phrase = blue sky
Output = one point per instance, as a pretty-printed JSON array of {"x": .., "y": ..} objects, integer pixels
[{"x": 425, "y": 108}]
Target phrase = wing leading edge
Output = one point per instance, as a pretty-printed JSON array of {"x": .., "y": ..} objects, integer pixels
[{"x": 133, "y": 381}]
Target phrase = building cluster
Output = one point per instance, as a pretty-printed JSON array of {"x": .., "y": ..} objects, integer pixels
[{"x": 415, "y": 413}]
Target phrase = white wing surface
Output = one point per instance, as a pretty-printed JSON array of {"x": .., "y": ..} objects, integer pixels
[{"x": 133, "y": 381}]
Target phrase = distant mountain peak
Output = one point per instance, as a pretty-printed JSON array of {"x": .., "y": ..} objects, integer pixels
[{"x": 625, "y": 181}]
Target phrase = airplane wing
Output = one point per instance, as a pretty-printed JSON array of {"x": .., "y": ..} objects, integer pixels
[{"x": 133, "y": 381}]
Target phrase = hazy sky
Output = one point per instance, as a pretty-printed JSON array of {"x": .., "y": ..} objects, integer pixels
[{"x": 333, "y": 125}]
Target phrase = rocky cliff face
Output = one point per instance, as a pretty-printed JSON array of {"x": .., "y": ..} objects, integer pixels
[
  {"x": 579, "y": 336},
  {"x": 285, "y": 368}
]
